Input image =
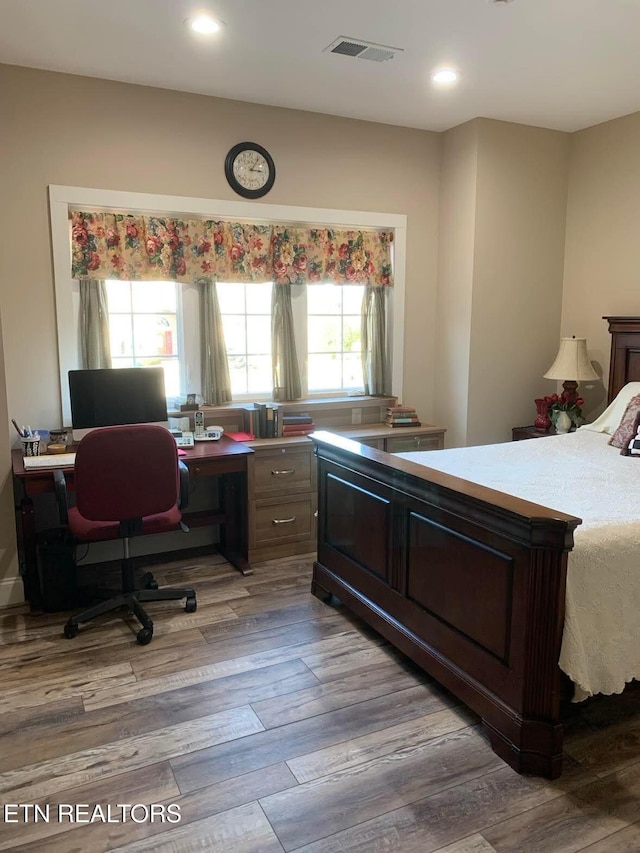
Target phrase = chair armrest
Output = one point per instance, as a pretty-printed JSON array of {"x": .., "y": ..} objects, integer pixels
[
  {"x": 183, "y": 500},
  {"x": 60, "y": 488}
]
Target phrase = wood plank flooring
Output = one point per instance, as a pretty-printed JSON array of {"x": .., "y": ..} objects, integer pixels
[{"x": 276, "y": 723}]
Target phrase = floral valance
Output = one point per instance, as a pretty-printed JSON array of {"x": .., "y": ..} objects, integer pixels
[{"x": 133, "y": 246}]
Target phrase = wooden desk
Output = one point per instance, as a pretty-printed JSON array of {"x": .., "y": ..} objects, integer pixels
[{"x": 225, "y": 459}]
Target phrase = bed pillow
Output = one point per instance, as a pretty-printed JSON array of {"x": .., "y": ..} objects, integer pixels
[
  {"x": 632, "y": 447},
  {"x": 627, "y": 426},
  {"x": 610, "y": 419}
]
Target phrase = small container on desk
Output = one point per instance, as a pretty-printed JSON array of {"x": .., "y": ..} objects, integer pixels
[{"x": 31, "y": 445}]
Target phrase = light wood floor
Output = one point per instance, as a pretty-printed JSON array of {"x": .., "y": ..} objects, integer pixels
[{"x": 278, "y": 723}]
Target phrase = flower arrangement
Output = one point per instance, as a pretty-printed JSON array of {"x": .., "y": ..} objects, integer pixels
[{"x": 565, "y": 403}]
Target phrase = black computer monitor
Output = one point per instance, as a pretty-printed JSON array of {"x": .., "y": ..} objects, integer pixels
[{"x": 127, "y": 395}]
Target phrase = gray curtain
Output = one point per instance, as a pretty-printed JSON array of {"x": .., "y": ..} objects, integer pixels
[
  {"x": 284, "y": 358},
  {"x": 216, "y": 384},
  {"x": 93, "y": 324},
  {"x": 373, "y": 336}
]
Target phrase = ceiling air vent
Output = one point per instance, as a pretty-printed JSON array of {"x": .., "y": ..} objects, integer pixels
[{"x": 359, "y": 49}]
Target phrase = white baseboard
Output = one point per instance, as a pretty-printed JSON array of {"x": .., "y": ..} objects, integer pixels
[{"x": 11, "y": 591}]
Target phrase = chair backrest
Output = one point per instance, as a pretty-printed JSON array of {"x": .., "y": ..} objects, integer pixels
[{"x": 126, "y": 472}]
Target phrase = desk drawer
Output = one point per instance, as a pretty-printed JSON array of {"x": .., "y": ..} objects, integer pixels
[
  {"x": 279, "y": 520},
  {"x": 406, "y": 443},
  {"x": 282, "y": 470}
]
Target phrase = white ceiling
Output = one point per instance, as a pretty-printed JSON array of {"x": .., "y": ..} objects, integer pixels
[{"x": 564, "y": 64}]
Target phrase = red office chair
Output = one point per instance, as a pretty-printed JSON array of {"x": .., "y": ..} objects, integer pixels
[{"x": 128, "y": 482}]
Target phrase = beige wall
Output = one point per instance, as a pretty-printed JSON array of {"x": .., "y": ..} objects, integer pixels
[
  {"x": 458, "y": 182},
  {"x": 517, "y": 289},
  {"x": 502, "y": 223},
  {"x": 602, "y": 265}
]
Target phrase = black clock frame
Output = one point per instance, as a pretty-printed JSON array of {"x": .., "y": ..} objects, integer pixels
[{"x": 231, "y": 178}]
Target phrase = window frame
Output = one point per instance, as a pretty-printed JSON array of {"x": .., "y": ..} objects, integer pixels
[{"x": 64, "y": 198}]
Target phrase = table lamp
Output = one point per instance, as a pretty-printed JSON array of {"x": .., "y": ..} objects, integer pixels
[{"x": 572, "y": 361}]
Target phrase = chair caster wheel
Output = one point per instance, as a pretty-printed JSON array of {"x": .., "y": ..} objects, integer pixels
[
  {"x": 191, "y": 605},
  {"x": 71, "y": 631},
  {"x": 144, "y": 636}
]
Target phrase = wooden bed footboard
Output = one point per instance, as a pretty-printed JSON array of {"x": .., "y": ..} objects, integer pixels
[{"x": 466, "y": 581}]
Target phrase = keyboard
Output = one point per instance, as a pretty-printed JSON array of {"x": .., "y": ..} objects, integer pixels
[
  {"x": 185, "y": 440},
  {"x": 55, "y": 460}
]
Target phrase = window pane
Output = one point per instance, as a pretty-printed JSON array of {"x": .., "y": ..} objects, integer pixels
[
  {"x": 325, "y": 334},
  {"x": 119, "y": 296},
  {"x": 351, "y": 334},
  {"x": 238, "y": 374},
  {"x": 324, "y": 299},
  {"x": 259, "y": 298},
  {"x": 122, "y": 362},
  {"x": 234, "y": 334},
  {"x": 324, "y": 372},
  {"x": 159, "y": 296},
  {"x": 352, "y": 298},
  {"x": 231, "y": 298},
  {"x": 259, "y": 374},
  {"x": 120, "y": 335},
  {"x": 154, "y": 334},
  {"x": 352, "y": 371},
  {"x": 259, "y": 335},
  {"x": 171, "y": 368}
]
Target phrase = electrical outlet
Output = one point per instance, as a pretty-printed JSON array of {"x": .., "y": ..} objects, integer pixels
[{"x": 356, "y": 416}]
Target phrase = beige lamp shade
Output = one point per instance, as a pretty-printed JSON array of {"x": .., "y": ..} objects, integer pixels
[{"x": 572, "y": 361}]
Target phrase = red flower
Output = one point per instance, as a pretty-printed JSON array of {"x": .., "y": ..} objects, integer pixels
[
  {"x": 237, "y": 252},
  {"x": 94, "y": 261},
  {"x": 132, "y": 230},
  {"x": 369, "y": 268},
  {"x": 580, "y": 401},
  {"x": 181, "y": 267},
  {"x": 280, "y": 269},
  {"x": 207, "y": 266},
  {"x": 331, "y": 269},
  {"x": 300, "y": 263},
  {"x": 153, "y": 245},
  {"x": 350, "y": 273},
  {"x": 343, "y": 251},
  {"x": 314, "y": 275},
  {"x": 259, "y": 262},
  {"x": 173, "y": 242},
  {"x": 384, "y": 279},
  {"x": 80, "y": 234},
  {"x": 117, "y": 262},
  {"x": 218, "y": 238},
  {"x": 204, "y": 245},
  {"x": 112, "y": 238}
]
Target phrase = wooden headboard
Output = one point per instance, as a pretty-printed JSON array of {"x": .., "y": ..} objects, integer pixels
[{"x": 625, "y": 353}]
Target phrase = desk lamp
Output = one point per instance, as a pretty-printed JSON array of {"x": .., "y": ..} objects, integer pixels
[{"x": 571, "y": 361}]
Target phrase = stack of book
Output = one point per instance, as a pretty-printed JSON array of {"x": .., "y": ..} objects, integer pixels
[
  {"x": 298, "y": 424},
  {"x": 402, "y": 416},
  {"x": 261, "y": 420}
]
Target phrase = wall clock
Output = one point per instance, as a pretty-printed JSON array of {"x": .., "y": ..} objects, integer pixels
[{"x": 250, "y": 170}]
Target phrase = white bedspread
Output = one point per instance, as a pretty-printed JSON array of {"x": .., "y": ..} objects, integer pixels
[{"x": 581, "y": 475}]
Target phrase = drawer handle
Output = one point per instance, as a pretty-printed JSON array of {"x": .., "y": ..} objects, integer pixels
[
  {"x": 283, "y": 520},
  {"x": 283, "y": 472}
]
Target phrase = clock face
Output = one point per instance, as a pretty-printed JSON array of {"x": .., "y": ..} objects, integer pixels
[{"x": 250, "y": 169}]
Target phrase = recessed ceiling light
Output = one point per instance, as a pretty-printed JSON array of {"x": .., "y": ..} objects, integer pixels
[
  {"x": 445, "y": 76},
  {"x": 204, "y": 24}
]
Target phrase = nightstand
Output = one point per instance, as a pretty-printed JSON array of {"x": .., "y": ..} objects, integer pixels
[{"x": 522, "y": 433}]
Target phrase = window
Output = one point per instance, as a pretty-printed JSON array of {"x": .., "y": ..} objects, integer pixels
[
  {"x": 64, "y": 199},
  {"x": 144, "y": 326},
  {"x": 246, "y": 317},
  {"x": 148, "y": 320},
  {"x": 333, "y": 337}
]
